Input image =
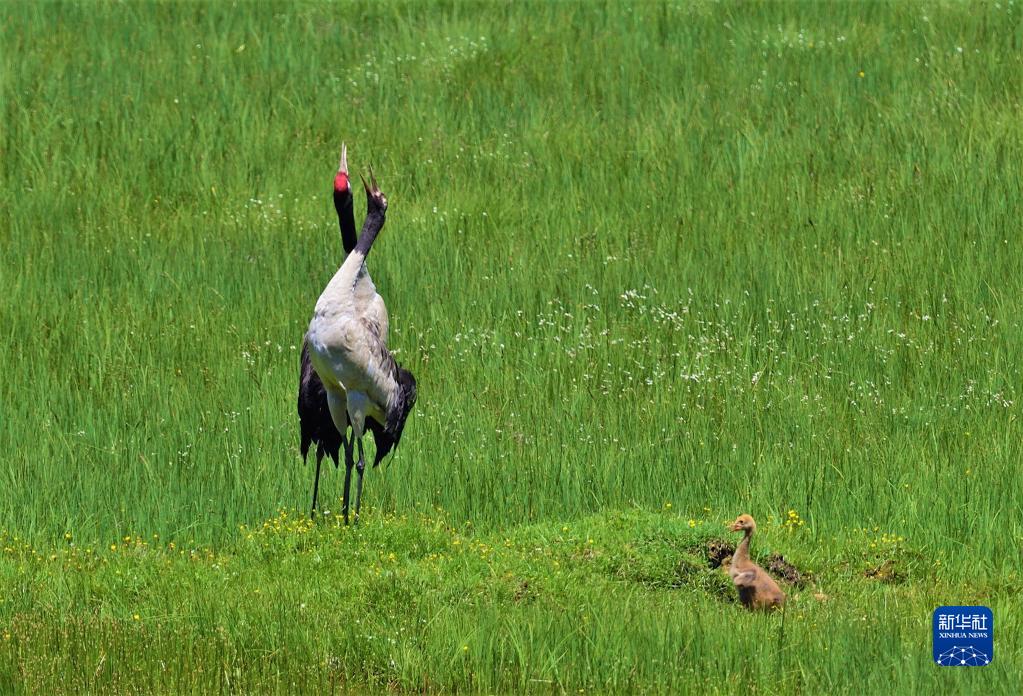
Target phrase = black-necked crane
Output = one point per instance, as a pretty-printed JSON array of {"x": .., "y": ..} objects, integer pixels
[
  {"x": 347, "y": 340},
  {"x": 315, "y": 422}
]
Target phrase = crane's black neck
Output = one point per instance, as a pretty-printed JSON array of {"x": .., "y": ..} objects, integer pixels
[
  {"x": 370, "y": 229},
  {"x": 343, "y": 204}
]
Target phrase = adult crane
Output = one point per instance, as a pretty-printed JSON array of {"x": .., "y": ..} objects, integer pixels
[
  {"x": 364, "y": 384},
  {"x": 315, "y": 423}
]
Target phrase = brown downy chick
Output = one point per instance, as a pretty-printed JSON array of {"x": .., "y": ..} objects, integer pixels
[{"x": 757, "y": 590}]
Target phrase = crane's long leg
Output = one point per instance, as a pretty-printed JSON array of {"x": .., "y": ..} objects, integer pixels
[
  {"x": 359, "y": 468},
  {"x": 349, "y": 463},
  {"x": 316, "y": 485},
  {"x": 338, "y": 404}
]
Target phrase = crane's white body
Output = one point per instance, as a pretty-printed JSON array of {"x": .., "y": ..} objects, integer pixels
[{"x": 348, "y": 347}]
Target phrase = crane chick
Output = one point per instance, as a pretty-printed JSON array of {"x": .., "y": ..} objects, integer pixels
[{"x": 757, "y": 589}]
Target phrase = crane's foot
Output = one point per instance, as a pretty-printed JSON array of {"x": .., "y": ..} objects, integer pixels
[
  {"x": 360, "y": 468},
  {"x": 316, "y": 489},
  {"x": 349, "y": 463}
]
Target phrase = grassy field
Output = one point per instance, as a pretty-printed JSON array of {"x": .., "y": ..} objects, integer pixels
[{"x": 653, "y": 266}]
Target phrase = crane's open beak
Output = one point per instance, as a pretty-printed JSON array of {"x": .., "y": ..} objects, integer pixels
[
  {"x": 341, "y": 178},
  {"x": 371, "y": 187},
  {"x": 735, "y": 527}
]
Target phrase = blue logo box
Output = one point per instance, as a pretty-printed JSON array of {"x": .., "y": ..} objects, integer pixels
[{"x": 963, "y": 636}]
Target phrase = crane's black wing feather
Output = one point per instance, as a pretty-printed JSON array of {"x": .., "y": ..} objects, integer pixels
[{"x": 314, "y": 419}]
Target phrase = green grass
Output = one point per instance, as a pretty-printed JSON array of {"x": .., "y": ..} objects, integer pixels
[
  {"x": 619, "y": 602},
  {"x": 649, "y": 264}
]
